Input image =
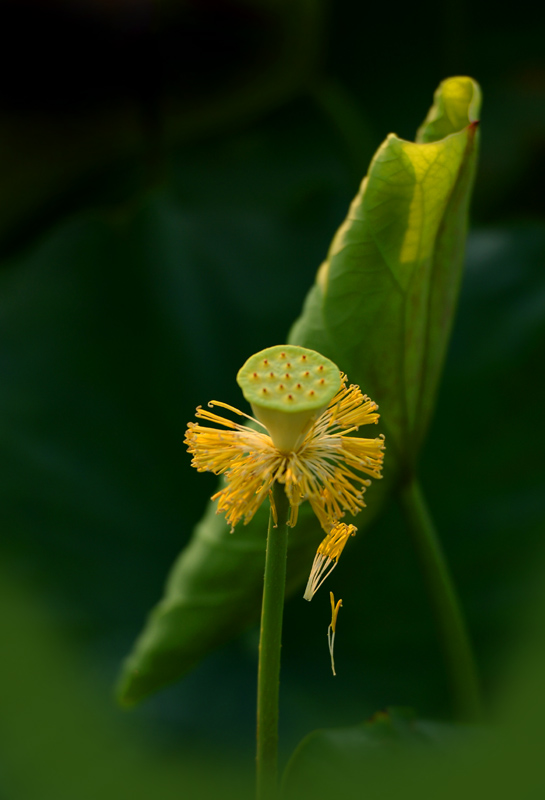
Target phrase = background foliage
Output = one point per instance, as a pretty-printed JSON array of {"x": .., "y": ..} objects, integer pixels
[{"x": 173, "y": 175}]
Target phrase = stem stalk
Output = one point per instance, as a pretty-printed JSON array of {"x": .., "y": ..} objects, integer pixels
[{"x": 268, "y": 678}]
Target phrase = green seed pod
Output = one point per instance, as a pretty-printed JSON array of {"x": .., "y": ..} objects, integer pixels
[{"x": 288, "y": 387}]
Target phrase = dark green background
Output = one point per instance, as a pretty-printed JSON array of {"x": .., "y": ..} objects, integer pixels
[{"x": 172, "y": 178}]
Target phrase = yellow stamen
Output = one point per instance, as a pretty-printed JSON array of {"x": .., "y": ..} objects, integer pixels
[
  {"x": 334, "y": 610},
  {"x": 327, "y": 556},
  {"x": 331, "y": 629}
]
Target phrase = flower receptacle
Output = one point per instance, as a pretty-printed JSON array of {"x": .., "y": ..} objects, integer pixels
[{"x": 288, "y": 387}]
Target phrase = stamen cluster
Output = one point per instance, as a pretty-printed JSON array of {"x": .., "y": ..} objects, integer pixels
[
  {"x": 327, "y": 556},
  {"x": 324, "y": 469}
]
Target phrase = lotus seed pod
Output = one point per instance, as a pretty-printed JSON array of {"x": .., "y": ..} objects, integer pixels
[{"x": 288, "y": 387}]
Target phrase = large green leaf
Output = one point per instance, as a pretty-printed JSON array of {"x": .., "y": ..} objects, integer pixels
[
  {"x": 382, "y": 309},
  {"x": 384, "y": 299}
]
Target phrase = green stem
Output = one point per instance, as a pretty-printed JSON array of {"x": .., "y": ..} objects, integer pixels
[
  {"x": 268, "y": 678},
  {"x": 448, "y": 614}
]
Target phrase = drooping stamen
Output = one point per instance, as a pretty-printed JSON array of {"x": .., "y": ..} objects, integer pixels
[
  {"x": 327, "y": 556},
  {"x": 331, "y": 628}
]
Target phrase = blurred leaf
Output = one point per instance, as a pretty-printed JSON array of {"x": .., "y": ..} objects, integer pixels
[
  {"x": 215, "y": 588},
  {"x": 339, "y": 761},
  {"x": 96, "y": 318},
  {"x": 386, "y": 294},
  {"x": 60, "y": 737}
]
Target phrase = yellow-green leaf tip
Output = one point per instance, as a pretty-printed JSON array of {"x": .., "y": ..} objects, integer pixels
[{"x": 456, "y": 104}]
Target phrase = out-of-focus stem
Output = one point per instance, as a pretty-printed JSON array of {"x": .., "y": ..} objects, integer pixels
[{"x": 450, "y": 622}]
